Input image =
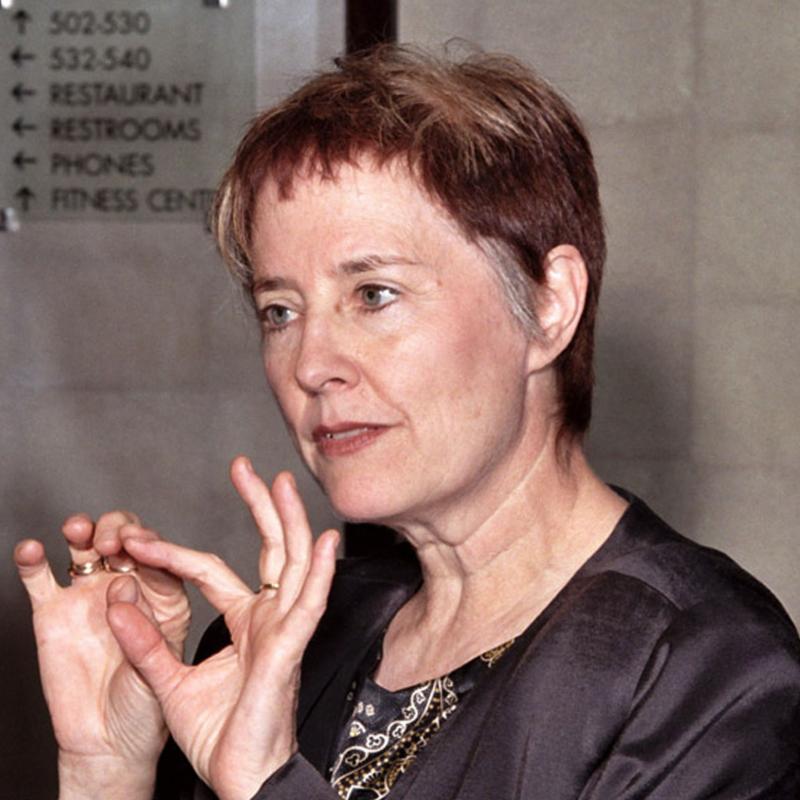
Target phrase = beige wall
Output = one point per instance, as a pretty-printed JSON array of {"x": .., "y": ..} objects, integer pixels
[{"x": 694, "y": 111}]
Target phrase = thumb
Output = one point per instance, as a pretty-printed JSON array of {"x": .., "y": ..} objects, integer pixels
[{"x": 141, "y": 641}]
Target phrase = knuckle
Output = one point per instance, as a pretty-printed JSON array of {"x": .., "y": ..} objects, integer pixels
[
  {"x": 271, "y": 538},
  {"x": 287, "y": 650},
  {"x": 214, "y": 560},
  {"x": 297, "y": 560},
  {"x": 206, "y": 567}
]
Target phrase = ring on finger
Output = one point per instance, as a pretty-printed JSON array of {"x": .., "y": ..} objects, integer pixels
[
  {"x": 123, "y": 569},
  {"x": 274, "y": 585},
  {"x": 87, "y": 568}
]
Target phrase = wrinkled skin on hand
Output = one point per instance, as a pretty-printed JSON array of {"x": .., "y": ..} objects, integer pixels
[{"x": 106, "y": 720}]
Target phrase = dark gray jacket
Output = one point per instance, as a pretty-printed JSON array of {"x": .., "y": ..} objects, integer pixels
[{"x": 661, "y": 671}]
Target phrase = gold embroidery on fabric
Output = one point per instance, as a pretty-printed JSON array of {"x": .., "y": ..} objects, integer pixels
[
  {"x": 384, "y": 757},
  {"x": 356, "y": 729},
  {"x": 491, "y": 657}
]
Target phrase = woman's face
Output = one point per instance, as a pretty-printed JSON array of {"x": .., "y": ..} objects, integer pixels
[{"x": 388, "y": 345}]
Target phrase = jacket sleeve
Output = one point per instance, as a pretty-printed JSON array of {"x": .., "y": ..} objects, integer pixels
[
  {"x": 711, "y": 717},
  {"x": 296, "y": 779}
]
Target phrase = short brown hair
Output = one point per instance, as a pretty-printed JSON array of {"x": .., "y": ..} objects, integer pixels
[{"x": 498, "y": 148}]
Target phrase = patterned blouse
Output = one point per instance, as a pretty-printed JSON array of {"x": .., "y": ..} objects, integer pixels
[{"x": 386, "y": 730}]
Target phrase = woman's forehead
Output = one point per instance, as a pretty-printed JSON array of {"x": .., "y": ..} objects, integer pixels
[{"x": 360, "y": 206}]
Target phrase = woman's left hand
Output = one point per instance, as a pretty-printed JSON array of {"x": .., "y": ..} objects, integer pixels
[{"x": 233, "y": 715}]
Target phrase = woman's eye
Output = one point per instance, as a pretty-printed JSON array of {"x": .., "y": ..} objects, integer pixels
[
  {"x": 276, "y": 317},
  {"x": 374, "y": 296}
]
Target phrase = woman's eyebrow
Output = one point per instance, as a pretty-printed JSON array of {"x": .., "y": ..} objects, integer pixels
[
  {"x": 269, "y": 284},
  {"x": 352, "y": 266},
  {"x": 368, "y": 263}
]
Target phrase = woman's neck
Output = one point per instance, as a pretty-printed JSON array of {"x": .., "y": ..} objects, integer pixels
[{"x": 484, "y": 583}]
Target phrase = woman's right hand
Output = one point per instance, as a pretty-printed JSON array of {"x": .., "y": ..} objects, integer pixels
[{"x": 108, "y": 725}]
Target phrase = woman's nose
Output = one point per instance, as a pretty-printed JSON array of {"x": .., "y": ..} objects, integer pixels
[{"x": 326, "y": 360}]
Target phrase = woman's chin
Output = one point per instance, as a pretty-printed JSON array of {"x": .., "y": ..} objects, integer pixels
[
  {"x": 352, "y": 505},
  {"x": 359, "y": 511}
]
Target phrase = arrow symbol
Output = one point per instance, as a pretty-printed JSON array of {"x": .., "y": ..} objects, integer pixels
[
  {"x": 20, "y": 126},
  {"x": 20, "y": 92},
  {"x": 25, "y": 195},
  {"x": 18, "y": 56},
  {"x": 20, "y": 160},
  {"x": 22, "y": 18}
]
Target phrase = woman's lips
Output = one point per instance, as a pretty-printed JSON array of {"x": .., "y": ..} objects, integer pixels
[{"x": 346, "y": 438}]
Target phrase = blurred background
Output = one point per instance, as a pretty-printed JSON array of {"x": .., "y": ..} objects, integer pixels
[{"x": 129, "y": 364}]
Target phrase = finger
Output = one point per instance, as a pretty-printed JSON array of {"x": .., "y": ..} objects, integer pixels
[
  {"x": 107, "y": 535},
  {"x": 35, "y": 572},
  {"x": 154, "y": 579},
  {"x": 258, "y": 499},
  {"x": 220, "y": 585},
  {"x": 78, "y": 531},
  {"x": 297, "y": 536},
  {"x": 141, "y": 641},
  {"x": 306, "y": 613},
  {"x": 126, "y": 590}
]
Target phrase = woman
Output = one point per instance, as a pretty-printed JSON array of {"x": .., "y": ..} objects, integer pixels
[{"x": 423, "y": 245}]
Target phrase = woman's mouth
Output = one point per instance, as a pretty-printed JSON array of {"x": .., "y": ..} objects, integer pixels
[{"x": 345, "y": 438}]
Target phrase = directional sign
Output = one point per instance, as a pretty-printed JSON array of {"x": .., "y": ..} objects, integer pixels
[
  {"x": 122, "y": 110},
  {"x": 20, "y": 160},
  {"x": 20, "y": 92},
  {"x": 25, "y": 197},
  {"x": 20, "y": 126},
  {"x": 22, "y": 18},
  {"x": 19, "y": 56}
]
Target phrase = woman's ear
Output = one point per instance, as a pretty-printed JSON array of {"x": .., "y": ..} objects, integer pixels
[{"x": 559, "y": 304}]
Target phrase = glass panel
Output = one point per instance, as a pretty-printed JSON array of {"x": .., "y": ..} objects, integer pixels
[{"x": 122, "y": 110}]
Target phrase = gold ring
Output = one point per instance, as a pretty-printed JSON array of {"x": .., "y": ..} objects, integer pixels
[
  {"x": 270, "y": 585},
  {"x": 121, "y": 568},
  {"x": 82, "y": 570}
]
